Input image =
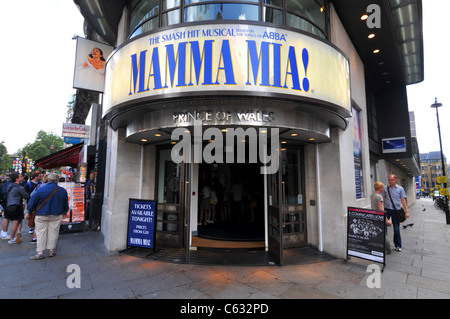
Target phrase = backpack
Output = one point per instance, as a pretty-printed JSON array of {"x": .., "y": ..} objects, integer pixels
[{"x": 5, "y": 193}]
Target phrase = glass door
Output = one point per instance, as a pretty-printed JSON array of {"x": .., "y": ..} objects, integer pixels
[
  {"x": 274, "y": 215},
  {"x": 294, "y": 217},
  {"x": 172, "y": 199}
]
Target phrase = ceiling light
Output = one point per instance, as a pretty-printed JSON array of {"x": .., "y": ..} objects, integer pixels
[
  {"x": 283, "y": 142},
  {"x": 294, "y": 134},
  {"x": 371, "y": 36},
  {"x": 376, "y": 51},
  {"x": 144, "y": 140},
  {"x": 364, "y": 17},
  {"x": 311, "y": 139},
  {"x": 158, "y": 135}
]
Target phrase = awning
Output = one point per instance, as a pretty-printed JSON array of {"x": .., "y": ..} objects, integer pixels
[{"x": 66, "y": 157}]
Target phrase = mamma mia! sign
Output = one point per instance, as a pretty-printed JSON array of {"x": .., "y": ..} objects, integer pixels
[{"x": 232, "y": 58}]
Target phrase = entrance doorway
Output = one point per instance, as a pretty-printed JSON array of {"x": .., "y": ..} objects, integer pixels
[
  {"x": 237, "y": 210},
  {"x": 252, "y": 210}
]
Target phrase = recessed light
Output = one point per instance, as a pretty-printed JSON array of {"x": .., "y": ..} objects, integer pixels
[
  {"x": 283, "y": 142},
  {"x": 294, "y": 134},
  {"x": 158, "y": 135},
  {"x": 144, "y": 140},
  {"x": 224, "y": 130},
  {"x": 311, "y": 139},
  {"x": 371, "y": 36},
  {"x": 376, "y": 51},
  {"x": 364, "y": 17}
]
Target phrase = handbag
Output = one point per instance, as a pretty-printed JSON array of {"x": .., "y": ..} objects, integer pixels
[
  {"x": 401, "y": 214},
  {"x": 31, "y": 223}
]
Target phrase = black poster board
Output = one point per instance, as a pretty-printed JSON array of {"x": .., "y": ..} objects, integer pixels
[
  {"x": 141, "y": 223},
  {"x": 366, "y": 234}
]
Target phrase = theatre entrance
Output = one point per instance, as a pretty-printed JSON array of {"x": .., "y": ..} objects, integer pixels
[
  {"x": 252, "y": 210},
  {"x": 234, "y": 212}
]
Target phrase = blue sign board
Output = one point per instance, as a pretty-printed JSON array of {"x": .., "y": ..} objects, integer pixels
[
  {"x": 141, "y": 223},
  {"x": 73, "y": 140},
  {"x": 394, "y": 145}
]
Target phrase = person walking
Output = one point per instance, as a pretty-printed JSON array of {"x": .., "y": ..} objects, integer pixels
[
  {"x": 30, "y": 187},
  {"x": 14, "y": 210},
  {"x": 51, "y": 202},
  {"x": 394, "y": 198}
]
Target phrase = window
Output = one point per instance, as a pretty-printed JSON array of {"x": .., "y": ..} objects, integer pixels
[
  {"x": 306, "y": 15},
  {"x": 221, "y": 11}
]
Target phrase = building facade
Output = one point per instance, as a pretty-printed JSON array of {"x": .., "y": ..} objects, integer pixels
[
  {"x": 291, "y": 108},
  {"x": 431, "y": 168}
]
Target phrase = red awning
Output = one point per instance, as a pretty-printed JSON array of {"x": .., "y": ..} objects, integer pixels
[{"x": 66, "y": 157}]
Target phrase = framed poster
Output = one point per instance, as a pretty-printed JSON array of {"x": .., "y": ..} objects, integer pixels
[
  {"x": 90, "y": 62},
  {"x": 366, "y": 234},
  {"x": 141, "y": 223}
]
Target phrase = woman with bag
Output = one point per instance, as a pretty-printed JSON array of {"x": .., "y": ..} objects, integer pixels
[{"x": 49, "y": 204}]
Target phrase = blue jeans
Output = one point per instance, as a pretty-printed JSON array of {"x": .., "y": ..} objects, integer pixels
[{"x": 390, "y": 214}]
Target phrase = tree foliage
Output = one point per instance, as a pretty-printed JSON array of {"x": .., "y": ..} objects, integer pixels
[
  {"x": 45, "y": 144},
  {"x": 5, "y": 161}
]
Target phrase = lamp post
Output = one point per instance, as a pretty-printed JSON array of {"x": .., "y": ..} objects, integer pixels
[{"x": 437, "y": 105}]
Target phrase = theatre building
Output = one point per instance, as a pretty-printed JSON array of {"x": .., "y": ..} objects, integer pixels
[{"x": 289, "y": 109}]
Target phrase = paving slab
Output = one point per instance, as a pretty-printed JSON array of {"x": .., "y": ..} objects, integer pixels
[{"x": 420, "y": 271}]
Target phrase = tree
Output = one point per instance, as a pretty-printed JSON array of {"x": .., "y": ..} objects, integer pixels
[
  {"x": 5, "y": 161},
  {"x": 44, "y": 144}
]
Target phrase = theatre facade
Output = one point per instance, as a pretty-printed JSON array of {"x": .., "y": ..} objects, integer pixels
[{"x": 281, "y": 107}]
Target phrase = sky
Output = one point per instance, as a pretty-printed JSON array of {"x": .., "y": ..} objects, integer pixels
[
  {"x": 37, "y": 70},
  {"x": 38, "y": 63}
]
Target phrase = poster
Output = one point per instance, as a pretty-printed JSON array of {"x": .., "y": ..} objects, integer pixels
[
  {"x": 90, "y": 61},
  {"x": 75, "y": 193},
  {"x": 357, "y": 155},
  {"x": 366, "y": 233},
  {"x": 141, "y": 223}
]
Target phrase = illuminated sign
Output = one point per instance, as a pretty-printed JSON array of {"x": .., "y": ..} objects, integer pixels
[
  {"x": 394, "y": 145},
  {"x": 233, "y": 59}
]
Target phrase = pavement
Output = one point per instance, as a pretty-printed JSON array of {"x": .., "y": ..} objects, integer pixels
[{"x": 84, "y": 269}]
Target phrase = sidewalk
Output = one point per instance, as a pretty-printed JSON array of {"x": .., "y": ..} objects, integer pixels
[{"x": 420, "y": 271}]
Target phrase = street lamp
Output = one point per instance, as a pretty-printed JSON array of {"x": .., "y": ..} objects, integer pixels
[{"x": 437, "y": 105}]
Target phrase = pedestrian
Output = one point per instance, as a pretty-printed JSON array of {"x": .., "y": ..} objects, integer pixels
[
  {"x": 394, "y": 198},
  {"x": 205, "y": 206},
  {"x": 90, "y": 188},
  {"x": 376, "y": 201},
  {"x": 51, "y": 203},
  {"x": 14, "y": 209},
  {"x": 4, "y": 199},
  {"x": 30, "y": 187}
]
